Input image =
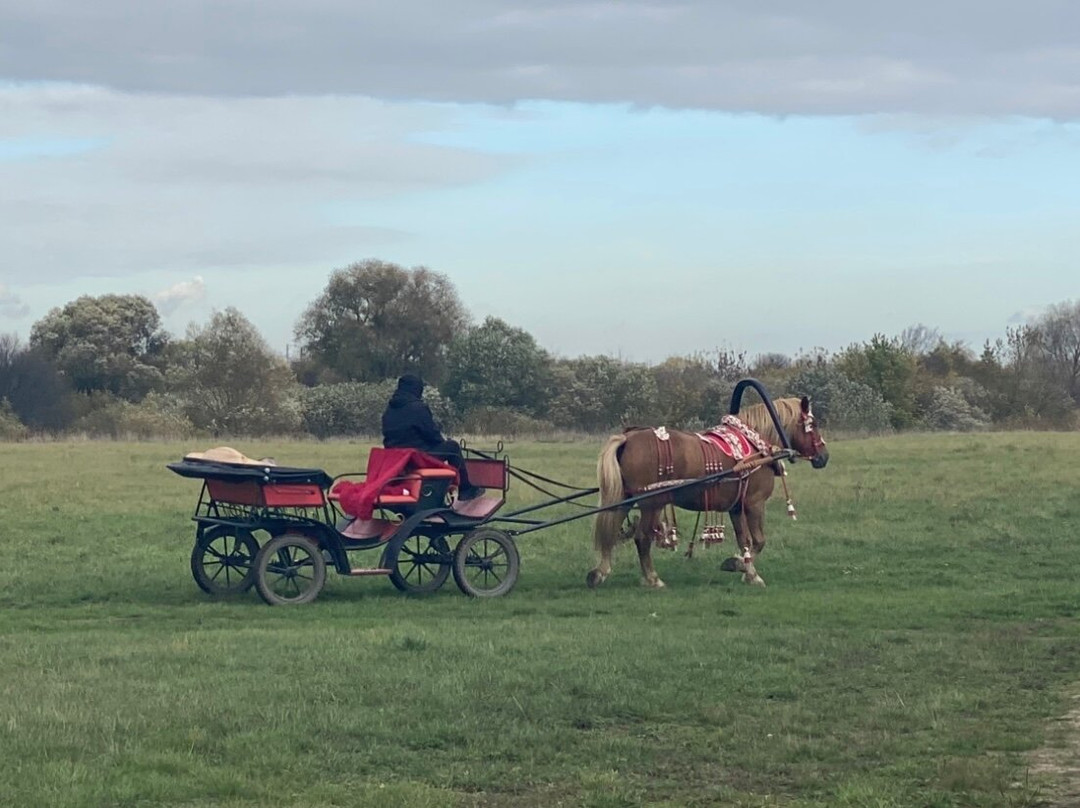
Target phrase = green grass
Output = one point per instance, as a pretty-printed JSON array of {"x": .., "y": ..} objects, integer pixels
[{"x": 918, "y": 632}]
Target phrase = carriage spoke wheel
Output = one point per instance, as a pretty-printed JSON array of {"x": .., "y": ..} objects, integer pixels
[
  {"x": 223, "y": 559},
  {"x": 486, "y": 563},
  {"x": 422, "y": 564},
  {"x": 289, "y": 569}
]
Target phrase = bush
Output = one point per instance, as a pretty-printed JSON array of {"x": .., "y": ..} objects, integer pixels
[
  {"x": 231, "y": 382},
  {"x": 949, "y": 409},
  {"x": 840, "y": 402},
  {"x": 502, "y": 422},
  {"x": 11, "y": 428},
  {"x": 597, "y": 393},
  {"x": 156, "y": 416},
  {"x": 356, "y": 408}
]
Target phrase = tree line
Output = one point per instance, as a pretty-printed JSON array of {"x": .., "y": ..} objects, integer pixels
[{"x": 104, "y": 366}]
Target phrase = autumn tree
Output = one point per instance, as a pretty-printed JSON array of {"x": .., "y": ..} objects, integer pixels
[
  {"x": 887, "y": 366},
  {"x": 598, "y": 392},
  {"x": 497, "y": 365},
  {"x": 111, "y": 343},
  {"x": 690, "y": 391},
  {"x": 35, "y": 391},
  {"x": 376, "y": 320},
  {"x": 230, "y": 380},
  {"x": 1056, "y": 336}
]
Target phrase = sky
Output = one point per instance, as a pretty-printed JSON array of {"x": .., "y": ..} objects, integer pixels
[{"x": 635, "y": 177}]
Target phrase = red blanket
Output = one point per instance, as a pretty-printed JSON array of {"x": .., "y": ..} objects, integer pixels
[{"x": 358, "y": 499}]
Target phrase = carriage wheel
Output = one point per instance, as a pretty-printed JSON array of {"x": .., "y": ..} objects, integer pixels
[
  {"x": 222, "y": 560},
  {"x": 486, "y": 563},
  {"x": 289, "y": 569},
  {"x": 422, "y": 564}
]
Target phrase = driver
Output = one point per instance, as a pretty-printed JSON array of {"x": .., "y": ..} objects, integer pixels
[{"x": 407, "y": 423}]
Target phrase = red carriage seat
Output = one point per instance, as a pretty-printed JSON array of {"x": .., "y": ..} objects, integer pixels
[{"x": 395, "y": 477}]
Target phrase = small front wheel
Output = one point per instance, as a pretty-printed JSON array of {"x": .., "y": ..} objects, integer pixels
[
  {"x": 222, "y": 560},
  {"x": 289, "y": 569},
  {"x": 486, "y": 563}
]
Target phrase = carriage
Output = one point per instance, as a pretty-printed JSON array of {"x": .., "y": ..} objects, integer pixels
[{"x": 280, "y": 528}]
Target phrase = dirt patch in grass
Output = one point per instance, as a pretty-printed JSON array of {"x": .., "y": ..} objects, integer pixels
[{"x": 1058, "y": 763}]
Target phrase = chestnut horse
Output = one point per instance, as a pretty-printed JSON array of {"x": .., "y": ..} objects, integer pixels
[{"x": 634, "y": 462}]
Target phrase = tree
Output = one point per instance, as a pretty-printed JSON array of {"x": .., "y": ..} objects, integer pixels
[
  {"x": 594, "y": 393},
  {"x": 376, "y": 320},
  {"x": 112, "y": 343},
  {"x": 689, "y": 392},
  {"x": 840, "y": 402},
  {"x": 230, "y": 380},
  {"x": 1029, "y": 391},
  {"x": 497, "y": 365},
  {"x": 887, "y": 366},
  {"x": 919, "y": 339},
  {"x": 1056, "y": 335},
  {"x": 35, "y": 391}
]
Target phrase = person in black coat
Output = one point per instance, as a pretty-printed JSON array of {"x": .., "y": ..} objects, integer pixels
[{"x": 407, "y": 423}]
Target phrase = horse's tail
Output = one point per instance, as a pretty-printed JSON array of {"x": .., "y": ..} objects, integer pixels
[{"x": 609, "y": 479}]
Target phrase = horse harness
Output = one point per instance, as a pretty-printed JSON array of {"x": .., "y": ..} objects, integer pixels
[{"x": 731, "y": 438}]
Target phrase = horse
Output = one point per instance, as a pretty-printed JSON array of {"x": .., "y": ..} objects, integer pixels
[{"x": 644, "y": 459}]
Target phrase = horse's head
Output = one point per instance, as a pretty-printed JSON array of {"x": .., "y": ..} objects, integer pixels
[{"x": 805, "y": 438}]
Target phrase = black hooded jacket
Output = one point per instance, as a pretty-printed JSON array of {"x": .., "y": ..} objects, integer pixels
[{"x": 407, "y": 422}]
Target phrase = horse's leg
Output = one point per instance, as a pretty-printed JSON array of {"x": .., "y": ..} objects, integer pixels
[
  {"x": 643, "y": 537},
  {"x": 752, "y": 514},
  {"x": 606, "y": 535},
  {"x": 755, "y": 520},
  {"x": 735, "y": 563}
]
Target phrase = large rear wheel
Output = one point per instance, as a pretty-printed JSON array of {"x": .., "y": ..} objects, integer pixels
[
  {"x": 486, "y": 563},
  {"x": 223, "y": 559},
  {"x": 289, "y": 569},
  {"x": 422, "y": 564}
]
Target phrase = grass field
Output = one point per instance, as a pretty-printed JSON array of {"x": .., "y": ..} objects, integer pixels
[{"x": 918, "y": 634}]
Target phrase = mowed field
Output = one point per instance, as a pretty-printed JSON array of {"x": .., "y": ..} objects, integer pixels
[{"x": 918, "y": 636}]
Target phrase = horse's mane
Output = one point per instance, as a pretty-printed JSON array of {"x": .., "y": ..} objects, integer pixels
[{"x": 757, "y": 417}]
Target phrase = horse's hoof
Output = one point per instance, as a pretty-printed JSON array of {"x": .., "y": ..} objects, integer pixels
[
  {"x": 594, "y": 579},
  {"x": 653, "y": 584},
  {"x": 757, "y": 580},
  {"x": 732, "y": 564}
]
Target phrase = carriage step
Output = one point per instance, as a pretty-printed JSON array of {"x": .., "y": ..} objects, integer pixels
[{"x": 370, "y": 571}]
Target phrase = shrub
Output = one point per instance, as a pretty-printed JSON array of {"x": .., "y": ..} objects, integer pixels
[
  {"x": 949, "y": 409},
  {"x": 356, "y": 408},
  {"x": 231, "y": 382},
  {"x": 156, "y": 416},
  {"x": 840, "y": 402},
  {"x": 11, "y": 428},
  {"x": 502, "y": 422}
]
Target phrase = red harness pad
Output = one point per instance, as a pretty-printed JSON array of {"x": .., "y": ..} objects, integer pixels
[{"x": 729, "y": 441}]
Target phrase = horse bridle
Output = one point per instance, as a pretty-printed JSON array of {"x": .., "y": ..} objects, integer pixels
[{"x": 806, "y": 421}]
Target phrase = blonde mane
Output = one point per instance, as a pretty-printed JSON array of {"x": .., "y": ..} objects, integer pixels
[{"x": 757, "y": 417}]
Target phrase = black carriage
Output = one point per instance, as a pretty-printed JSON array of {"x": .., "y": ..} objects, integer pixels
[{"x": 278, "y": 529}]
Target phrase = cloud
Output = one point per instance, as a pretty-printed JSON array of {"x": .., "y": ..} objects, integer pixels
[
  {"x": 11, "y": 305},
  {"x": 181, "y": 294},
  {"x": 189, "y": 184},
  {"x": 982, "y": 57},
  {"x": 1027, "y": 314}
]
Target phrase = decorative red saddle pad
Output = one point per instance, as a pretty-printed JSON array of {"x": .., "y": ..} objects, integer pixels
[{"x": 729, "y": 441}]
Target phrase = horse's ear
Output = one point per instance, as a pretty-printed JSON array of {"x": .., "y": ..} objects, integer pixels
[{"x": 805, "y": 405}]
